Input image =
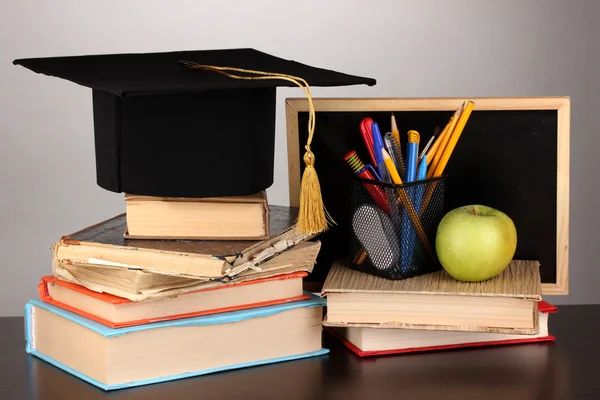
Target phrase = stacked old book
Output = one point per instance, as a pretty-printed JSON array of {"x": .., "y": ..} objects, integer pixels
[
  {"x": 188, "y": 281},
  {"x": 133, "y": 300},
  {"x": 374, "y": 316}
]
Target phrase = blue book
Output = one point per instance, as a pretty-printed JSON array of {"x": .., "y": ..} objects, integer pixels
[{"x": 163, "y": 351}]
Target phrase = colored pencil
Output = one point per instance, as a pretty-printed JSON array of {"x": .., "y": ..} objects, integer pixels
[
  {"x": 442, "y": 147},
  {"x": 460, "y": 126}
]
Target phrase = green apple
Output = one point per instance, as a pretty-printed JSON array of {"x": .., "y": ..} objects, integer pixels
[{"x": 475, "y": 243}]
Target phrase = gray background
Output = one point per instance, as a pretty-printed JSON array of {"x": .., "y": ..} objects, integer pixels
[{"x": 413, "y": 48}]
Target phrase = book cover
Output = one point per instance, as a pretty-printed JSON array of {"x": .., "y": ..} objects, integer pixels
[
  {"x": 109, "y": 298},
  {"x": 521, "y": 279},
  {"x": 106, "y": 332}
]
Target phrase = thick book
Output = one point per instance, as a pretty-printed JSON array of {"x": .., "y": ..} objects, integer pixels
[
  {"x": 506, "y": 303},
  {"x": 137, "y": 285},
  {"x": 103, "y": 244},
  {"x": 118, "y": 312},
  {"x": 366, "y": 342},
  {"x": 215, "y": 218},
  {"x": 164, "y": 351}
]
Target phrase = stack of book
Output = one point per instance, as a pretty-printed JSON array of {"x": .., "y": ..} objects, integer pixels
[
  {"x": 134, "y": 300},
  {"x": 374, "y": 316}
]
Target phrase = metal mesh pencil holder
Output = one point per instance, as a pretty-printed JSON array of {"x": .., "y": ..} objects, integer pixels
[{"x": 394, "y": 227}]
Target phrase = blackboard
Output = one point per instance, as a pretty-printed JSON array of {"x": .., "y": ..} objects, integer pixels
[{"x": 513, "y": 156}]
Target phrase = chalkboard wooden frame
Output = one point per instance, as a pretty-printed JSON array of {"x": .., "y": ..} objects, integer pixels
[{"x": 294, "y": 106}]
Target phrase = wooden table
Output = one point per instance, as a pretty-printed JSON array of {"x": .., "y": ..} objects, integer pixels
[{"x": 567, "y": 369}]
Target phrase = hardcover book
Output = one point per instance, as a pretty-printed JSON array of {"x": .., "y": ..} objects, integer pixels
[
  {"x": 136, "y": 285},
  {"x": 214, "y": 218},
  {"x": 164, "y": 351},
  {"x": 118, "y": 312},
  {"x": 366, "y": 342},
  {"x": 103, "y": 244},
  {"x": 506, "y": 303}
]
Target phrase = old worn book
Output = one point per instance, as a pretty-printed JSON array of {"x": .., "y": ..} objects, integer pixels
[
  {"x": 137, "y": 285},
  {"x": 366, "y": 342},
  {"x": 117, "y": 312},
  {"x": 163, "y": 351},
  {"x": 103, "y": 244},
  {"x": 216, "y": 218},
  {"x": 506, "y": 303}
]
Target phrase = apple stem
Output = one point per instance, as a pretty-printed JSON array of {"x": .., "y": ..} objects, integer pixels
[{"x": 474, "y": 211}]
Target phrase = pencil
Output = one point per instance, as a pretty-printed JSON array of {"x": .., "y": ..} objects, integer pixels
[
  {"x": 389, "y": 163},
  {"x": 444, "y": 142},
  {"x": 448, "y": 151},
  {"x": 464, "y": 117},
  {"x": 396, "y": 132},
  {"x": 431, "y": 152}
]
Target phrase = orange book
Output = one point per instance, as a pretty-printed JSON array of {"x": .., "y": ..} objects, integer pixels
[{"x": 118, "y": 312}]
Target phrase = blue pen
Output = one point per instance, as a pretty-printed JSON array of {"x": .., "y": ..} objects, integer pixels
[
  {"x": 408, "y": 233},
  {"x": 377, "y": 147},
  {"x": 412, "y": 150},
  {"x": 413, "y": 243},
  {"x": 421, "y": 176}
]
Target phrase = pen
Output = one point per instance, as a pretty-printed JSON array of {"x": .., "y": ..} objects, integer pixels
[
  {"x": 393, "y": 147},
  {"x": 365, "y": 131},
  {"x": 421, "y": 176},
  {"x": 412, "y": 148},
  {"x": 367, "y": 172},
  {"x": 426, "y": 148},
  {"x": 388, "y": 141},
  {"x": 377, "y": 148}
]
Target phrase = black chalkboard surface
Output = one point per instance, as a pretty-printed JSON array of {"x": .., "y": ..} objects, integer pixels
[{"x": 512, "y": 156}]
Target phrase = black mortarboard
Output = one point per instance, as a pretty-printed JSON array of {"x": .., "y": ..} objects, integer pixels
[{"x": 165, "y": 130}]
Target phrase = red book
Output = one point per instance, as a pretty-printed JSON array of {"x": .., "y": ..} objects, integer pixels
[
  {"x": 366, "y": 342},
  {"x": 117, "y": 312}
]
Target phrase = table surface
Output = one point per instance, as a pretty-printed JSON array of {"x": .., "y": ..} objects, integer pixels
[{"x": 566, "y": 369}]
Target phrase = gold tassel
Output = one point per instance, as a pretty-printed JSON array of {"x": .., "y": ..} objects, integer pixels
[{"x": 313, "y": 218}]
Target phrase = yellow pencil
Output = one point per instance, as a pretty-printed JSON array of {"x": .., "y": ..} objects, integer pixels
[
  {"x": 442, "y": 147},
  {"x": 389, "y": 163},
  {"x": 405, "y": 200},
  {"x": 395, "y": 131},
  {"x": 439, "y": 169},
  {"x": 433, "y": 149}
]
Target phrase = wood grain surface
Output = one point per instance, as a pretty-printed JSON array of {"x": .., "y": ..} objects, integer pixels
[{"x": 561, "y": 370}]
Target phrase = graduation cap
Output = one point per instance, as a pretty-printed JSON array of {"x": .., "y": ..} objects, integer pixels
[{"x": 189, "y": 123}]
